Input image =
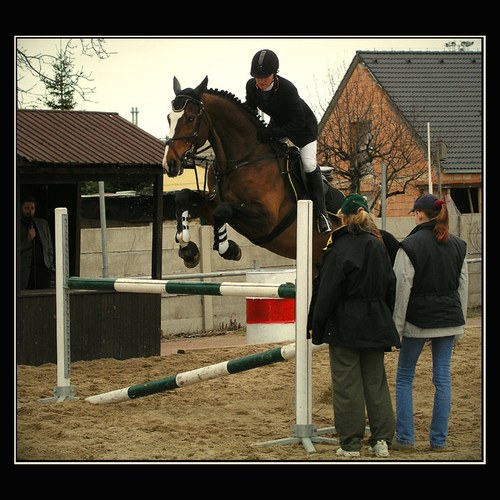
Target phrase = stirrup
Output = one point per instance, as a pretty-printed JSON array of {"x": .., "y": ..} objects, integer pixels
[{"x": 324, "y": 224}]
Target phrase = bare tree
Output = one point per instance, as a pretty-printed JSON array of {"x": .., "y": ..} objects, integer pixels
[
  {"x": 40, "y": 66},
  {"x": 362, "y": 132}
]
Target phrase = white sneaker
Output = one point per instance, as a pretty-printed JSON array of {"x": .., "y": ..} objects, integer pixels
[
  {"x": 380, "y": 449},
  {"x": 344, "y": 453}
]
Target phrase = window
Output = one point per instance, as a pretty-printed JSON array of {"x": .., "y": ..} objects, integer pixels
[{"x": 466, "y": 199}]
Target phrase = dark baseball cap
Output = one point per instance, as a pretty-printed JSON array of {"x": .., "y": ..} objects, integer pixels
[{"x": 427, "y": 202}]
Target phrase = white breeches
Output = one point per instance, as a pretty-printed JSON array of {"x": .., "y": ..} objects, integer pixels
[{"x": 308, "y": 155}]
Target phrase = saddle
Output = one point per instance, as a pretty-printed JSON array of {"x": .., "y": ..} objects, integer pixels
[{"x": 296, "y": 177}]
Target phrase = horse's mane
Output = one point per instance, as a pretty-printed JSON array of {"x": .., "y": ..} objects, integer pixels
[{"x": 245, "y": 107}]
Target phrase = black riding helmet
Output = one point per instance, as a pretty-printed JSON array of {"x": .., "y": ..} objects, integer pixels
[{"x": 264, "y": 63}]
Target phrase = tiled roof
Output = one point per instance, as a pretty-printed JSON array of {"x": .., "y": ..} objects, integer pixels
[
  {"x": 442, "y": 88},
  {"x": 84, "y": 138}
]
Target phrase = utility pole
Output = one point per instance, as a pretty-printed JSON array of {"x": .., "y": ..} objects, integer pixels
[
  {"x": 384, "y": 195},
  {"x": 441, "y": 153},
  {"x": 429, "y": 169}
]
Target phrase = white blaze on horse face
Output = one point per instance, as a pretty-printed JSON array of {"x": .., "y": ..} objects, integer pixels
[{"x": 173, "y": 119}]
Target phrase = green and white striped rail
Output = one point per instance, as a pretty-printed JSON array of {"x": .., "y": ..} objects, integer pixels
[
  {"x": 143, "y": 285},
  {"x": 230, "y": 367}
]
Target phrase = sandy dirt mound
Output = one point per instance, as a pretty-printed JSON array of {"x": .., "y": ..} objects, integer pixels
[{"x": 223, "y": 419}]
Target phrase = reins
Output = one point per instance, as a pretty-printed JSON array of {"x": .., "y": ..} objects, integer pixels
[
  {"x": 231, "y": 165},
  {"x": 218, "y": 175}
]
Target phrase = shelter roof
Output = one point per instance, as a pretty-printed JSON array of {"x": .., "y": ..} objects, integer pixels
[{"x": 84, "y": 138}]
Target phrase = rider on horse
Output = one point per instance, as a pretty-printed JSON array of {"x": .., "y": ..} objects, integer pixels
[{"x": 290, "y": 117}]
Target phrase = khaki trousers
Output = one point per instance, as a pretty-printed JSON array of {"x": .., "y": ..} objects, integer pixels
[{"x": 359, "y": 382}]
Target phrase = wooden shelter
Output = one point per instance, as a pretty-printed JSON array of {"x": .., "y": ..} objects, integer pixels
[{"x": 56, "y": 151}]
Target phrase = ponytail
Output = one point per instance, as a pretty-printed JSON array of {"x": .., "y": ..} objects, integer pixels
[
  {"x": 363, "y": 220},
  {"x": 441, "y": 216}
]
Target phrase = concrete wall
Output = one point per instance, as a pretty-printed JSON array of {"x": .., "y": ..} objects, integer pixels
[{"x": 129, "y": 254}]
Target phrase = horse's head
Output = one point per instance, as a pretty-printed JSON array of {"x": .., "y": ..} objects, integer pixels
[{"x": 188, "y": 131}]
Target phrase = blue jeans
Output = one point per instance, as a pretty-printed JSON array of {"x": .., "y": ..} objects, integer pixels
[{"x": 441, "y": 359}]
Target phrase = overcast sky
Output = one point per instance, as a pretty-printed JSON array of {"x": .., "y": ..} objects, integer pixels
[{"x": 140, "y": 71}]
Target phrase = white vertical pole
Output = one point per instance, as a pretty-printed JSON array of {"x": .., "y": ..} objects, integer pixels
[
  {"x": 429, "y": 156},
  {"x": 303, "y": 286},
  {"x": 102, "y": 213},
  {"x": 62, "y": 305},
  {"x": 63, "y": 390},
  {"x": 205, "y": 238}
]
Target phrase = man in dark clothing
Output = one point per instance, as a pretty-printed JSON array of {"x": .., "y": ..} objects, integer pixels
[
  {"x": 290, "y": 117},
  {"x": 37, "y": 252}
]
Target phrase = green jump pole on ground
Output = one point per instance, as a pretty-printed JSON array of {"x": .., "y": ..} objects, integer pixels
[{"x": 230, "y": 367}]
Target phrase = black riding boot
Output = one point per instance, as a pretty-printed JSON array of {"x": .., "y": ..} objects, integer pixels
[{"x": 315, "y": 188}]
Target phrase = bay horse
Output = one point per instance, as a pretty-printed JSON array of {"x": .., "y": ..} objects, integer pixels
[{"x": 251, "y": 186}]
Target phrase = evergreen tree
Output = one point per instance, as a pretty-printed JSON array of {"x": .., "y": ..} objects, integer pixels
[
  {"x": 40, "y": 66},
  {"x": 60, "y": 88}
]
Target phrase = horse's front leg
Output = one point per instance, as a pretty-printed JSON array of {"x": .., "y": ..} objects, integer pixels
[
  {"x": 188, "y": 250},
  {"x": 228, "y": 249},
  {"x": 253, "y": 215}
]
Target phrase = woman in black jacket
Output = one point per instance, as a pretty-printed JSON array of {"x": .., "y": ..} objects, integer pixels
[
  {"x": 353, "y": 314},
  {"x": 290, "y": 117}
]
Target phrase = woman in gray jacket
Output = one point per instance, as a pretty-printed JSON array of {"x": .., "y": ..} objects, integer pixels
[{"x": 431, "y": 303}]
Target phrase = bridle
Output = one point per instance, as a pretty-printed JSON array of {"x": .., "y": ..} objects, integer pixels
[{"x": 189, "y": 156}]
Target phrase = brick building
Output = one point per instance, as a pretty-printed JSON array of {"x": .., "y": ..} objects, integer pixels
[{"x": 383, "y": 112}]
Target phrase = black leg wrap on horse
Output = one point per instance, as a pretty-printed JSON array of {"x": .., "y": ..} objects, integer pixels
[{"x": 315, "y": 188}]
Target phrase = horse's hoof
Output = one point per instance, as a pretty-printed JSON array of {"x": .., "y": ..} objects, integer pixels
[
  {"x": 190, "y": 263},
  {"x": 190, "y": 255},
  {"x": 233, "y": 252}
]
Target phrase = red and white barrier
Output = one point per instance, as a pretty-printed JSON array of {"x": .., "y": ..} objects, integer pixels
[{"x": 270, "y": 319}]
